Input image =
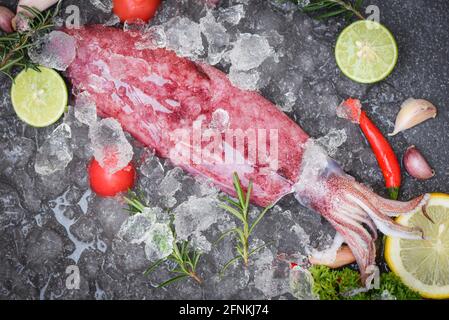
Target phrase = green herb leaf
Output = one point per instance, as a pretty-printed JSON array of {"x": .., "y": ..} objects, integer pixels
[
  {"x": 236, "y": 213},
  {"x": 154, "y": 266},
  {"x": 13, "y": 47},
  {"x": 332, "y": 8},
  {"x": 174, "y": 279},
  {"x": 259, "y": 248},
  {"x": 186, "y": 260},
  {"x": 229, "y": 263},
  {"x": 224, "y": 234},
  {"x": 241, "y": 212},
  {"x": 261, "y": 215},
  {"x": 238, "y": 189},
  {"x": 330, "y": 284}
]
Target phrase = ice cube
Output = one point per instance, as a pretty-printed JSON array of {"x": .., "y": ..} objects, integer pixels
[
  {"x": 159, "y": 242},
  {"x": 103, "y": 5},
  {"x": 56, "y": 152},
  {"x": 151, "y": 166},
  {"x": 112, "y": 21},
  {"x": 56, "y": 50},
  {"x": 194, "y": 216},
  {"x": 170, "y": 185},
  {"x": 152, "y": 38},
  {"x": 85, "y": 109},
  {"x": 265, "y": 278},
  {"x": 184, "y": 37},
  {"x": 136, "y": 26},
  {"x": 111, "y": 149},
  {"x": 217, "y": 38},
  {"x": 231, "y": 15},
  {"x": 246, "y": 80},
  {"x": 332, "y": 141},
  {"x": 249, "y": 51},
  {"x": 134, "y": 229},
  {"x": 16, "y": 152},
  {"x": 350, "y": 112},
  {"x": 152, "y": 227},
  {"x": 289, "y": 5},
  {"x": 301, "y": 284}
]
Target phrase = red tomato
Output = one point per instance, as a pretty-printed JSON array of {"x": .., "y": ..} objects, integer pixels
[
  {"x": 135, "y": 9},
  {"x": 107, "y": 185}
]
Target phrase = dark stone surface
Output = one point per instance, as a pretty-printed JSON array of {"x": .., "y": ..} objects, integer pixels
[{"x": 35, "y": 248}]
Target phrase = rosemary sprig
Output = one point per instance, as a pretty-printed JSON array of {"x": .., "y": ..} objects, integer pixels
[
  {"x": 13, "y": 46},
  {"x": 332, "y": 8},
  {"x": 135, "y": 202},
  {"x": 184, "y": 256},
  {"x": 240, "y": 210},
  {"x": 186, "y": 260}
]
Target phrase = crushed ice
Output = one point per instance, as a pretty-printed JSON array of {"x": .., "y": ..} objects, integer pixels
[
  {"x": 85, "y": 109},
  {"x": 55, "y": 50},
  {"x": 231, "y": 15},
  {"x": 152, "y": 228},
  {"x": 111, "y": 148},
  {"x": 301, "y": 284},
  {"x": 184, "y": 37},
  {"x": 56, "y": 152},
  {"x": 217, "y": 38},
  {"x": 103, "y": 5},
  {"x": 195, "y": 216},
  {"x": 249, "y": 51},
  {"x": 245, "y": 54},
  {"x": 333, "y": 140},
  {"x": 152, "y": 38}
]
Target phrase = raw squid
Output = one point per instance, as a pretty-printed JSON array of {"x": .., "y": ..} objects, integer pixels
[{"x": 190, "y": 113}]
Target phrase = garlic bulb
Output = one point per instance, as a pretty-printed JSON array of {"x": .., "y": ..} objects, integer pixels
[
  {"x": 413, "y": 112},
  {"x": 416, "y": 165}
]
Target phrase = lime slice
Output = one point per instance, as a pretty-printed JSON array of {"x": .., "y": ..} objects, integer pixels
[
  {"x": 39, "y": 98},
  {"x": 366, "y": 52},
  {"x": 423, "y": 265}
]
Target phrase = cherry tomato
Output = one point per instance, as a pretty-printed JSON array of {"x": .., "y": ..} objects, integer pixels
[
  {"x": 135, "y": 9},
  {"x": 107, "y": 185}
]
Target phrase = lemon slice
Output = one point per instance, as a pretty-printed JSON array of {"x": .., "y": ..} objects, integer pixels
[
  {"x": 423, "y": 265},
  {"x": 39, "y": 98},
  {"x": 366, "y": 52}
]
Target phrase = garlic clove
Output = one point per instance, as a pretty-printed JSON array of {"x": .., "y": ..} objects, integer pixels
[
  {"x": 413, "y": 112},
  {"x": 40, "y": 5},
  {"x": 416, "y": 165},
  {"x": 19, "y": 22},
  {"x": 6, "y": 16}
]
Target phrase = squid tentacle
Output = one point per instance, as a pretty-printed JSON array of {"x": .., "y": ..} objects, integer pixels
[
  {"x": 364, "y": 252},
  {"x": 353, "y": 209},
  {"x": 351, "y": 224},
  {"x": 357, "y": 214},
  {"x": 384, "y": 223},
  {"x": 393, "y": 208}
]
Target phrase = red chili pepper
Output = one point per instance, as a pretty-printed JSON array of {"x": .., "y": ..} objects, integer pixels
[{"x": 382, "y": 149}]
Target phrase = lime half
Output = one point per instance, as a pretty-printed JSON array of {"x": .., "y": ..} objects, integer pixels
[
  {"x": 366, "y": 52},
  {"x": 423, "y": 265},
  {"x": 39, "y": 98}
]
